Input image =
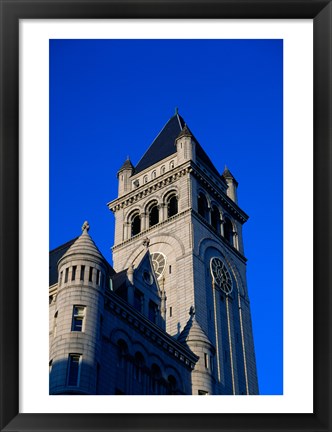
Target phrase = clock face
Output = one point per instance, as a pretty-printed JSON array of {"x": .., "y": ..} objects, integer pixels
[
  {"x": 159, "y": 263},
  {"x": 221, "y": 275}
]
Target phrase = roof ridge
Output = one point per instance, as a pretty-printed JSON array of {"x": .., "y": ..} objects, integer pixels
[{"x": 175, "y": 115}]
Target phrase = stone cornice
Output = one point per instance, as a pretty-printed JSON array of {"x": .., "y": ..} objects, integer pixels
[
  {"x": 214, "y": 189},
  {"x": 171, "y": 177},
  {"x": 149, "y": 188},
  {"x": 149, "y": 330}
]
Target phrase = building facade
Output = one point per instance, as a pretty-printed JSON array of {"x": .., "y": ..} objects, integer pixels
[{"x": 172, "y": 316}]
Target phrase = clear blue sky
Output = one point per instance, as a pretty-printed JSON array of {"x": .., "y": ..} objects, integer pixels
[{"x": 110, "y": 98}]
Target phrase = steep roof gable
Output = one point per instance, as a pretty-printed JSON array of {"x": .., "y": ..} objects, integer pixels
[{"x": 164, "y": 146}]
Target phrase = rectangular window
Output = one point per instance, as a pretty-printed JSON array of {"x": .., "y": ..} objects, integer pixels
[
  {"x": 152, "y": 311},
  {"x": 74, "y": 365},
  {"x": 60, "y": 279},
  {"x": 82, "y": 273},
  {"x": 170, "y": 311},
  {"x": 138, "y": 300},
  {"x": 73, "y": 274},
  {"x": 90, "y": 274},
  {"x": 206, "y": 360},
  {"x": 66, "y": 274},
  {"x": 170, "y": 269},
  {"x": 98, "y": 277},
  {"x": 78, "y": 318},
  {"x": 203, "y": 393}
]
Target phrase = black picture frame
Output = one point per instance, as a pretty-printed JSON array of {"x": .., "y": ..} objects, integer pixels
[{"x": 11, "y": 12}]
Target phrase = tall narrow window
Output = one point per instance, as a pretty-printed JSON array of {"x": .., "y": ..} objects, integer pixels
[
  {"x": 98, "y": 277},
  {"x": 73, "y": 273},
  {"x": 60, "y": 278},
  {"x": 55, "y": 323},
  {"x": 170, "y": 311},
  {"x": 138, "y": 300},
  {"x": 74, "y": 363},
  {"x": 206, "y": 360},
  {"x": 66, "y": 275},
  {"x": 202, "y": 206},
  {"x": 90, "y": 274},
  {"x": 171, "y": 384},
  {"x": 78, "y": 318},
  {"x": 82, "y": 272},
  {"x": 172, "y": 206},
  {"x": 152, "y": 311},
  {"x": 153, "y": 215},
  {"x": 228, "y": 231},
  {"x": 215, "y": 219},
  {"x": 135, "y": 225}
]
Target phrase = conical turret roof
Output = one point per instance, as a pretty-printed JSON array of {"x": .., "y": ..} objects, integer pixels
[
  {"x": 227, "y": 173},
  {"x": 84, "y": 245},
  {"x": 193, "y": 332},
  {"x": 127, "y": 165},
  {"x": 185, "y": 132}
]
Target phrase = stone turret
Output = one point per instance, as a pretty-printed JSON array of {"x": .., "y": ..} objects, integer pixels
[
  {"x": 194, "y": 337},
  {"x": 124, "y": 174},
  {"x": 185, "y": 146},
  {"x": 75, "y": 346},
  {"x": 231, "y": 183}
]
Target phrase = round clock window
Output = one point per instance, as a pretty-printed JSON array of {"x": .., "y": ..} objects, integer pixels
[
  {"x": 159, "y": 263},
  {"x": 221, "y": 275}
]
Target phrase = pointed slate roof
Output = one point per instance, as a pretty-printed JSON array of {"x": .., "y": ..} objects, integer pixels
[{"x": 164, "y": 146}]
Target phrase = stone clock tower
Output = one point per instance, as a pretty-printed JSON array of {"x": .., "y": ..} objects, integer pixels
[{"x": 176, "y": 202}]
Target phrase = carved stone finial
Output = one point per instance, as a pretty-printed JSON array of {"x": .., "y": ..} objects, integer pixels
[
  {"x": 146, "y": 242},
  {"x": 85, "y": 226},
  {"x": 192, "y": 311}
]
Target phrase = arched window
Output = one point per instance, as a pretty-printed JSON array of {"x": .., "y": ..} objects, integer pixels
[
  {"x": 171, "y": 165},
  {"x": 215, "y": 218},
  {"x": 203, "y": 209},
  {"x": 171, "y": 381},
  {"x": 153, "y": 214},
  {"x": 162, "y": 169},
  {"x": 145, "y": 179},
  {"x": 228, "y": 231},
  {"x": 154, "y": 174},
  {"x": 172, "y": 206},
  {"x": 135, "y": 224},
  {"x": 155, "y": 379},
  {"x": 122, "y": 353},
  {"x": 138, "y": 366}
]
